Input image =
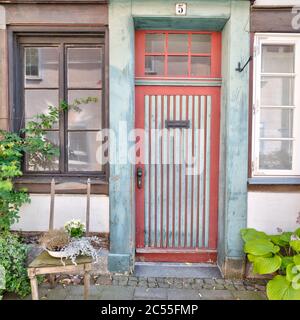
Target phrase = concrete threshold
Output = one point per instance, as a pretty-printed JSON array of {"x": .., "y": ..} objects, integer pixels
[{"x": 176, "y": 270}]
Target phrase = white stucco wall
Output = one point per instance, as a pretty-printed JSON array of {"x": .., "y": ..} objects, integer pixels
[
  {"x": 277, "y": 2},
  {"x": 35, "y": 216},
  {"x": 269, "y": 211}
]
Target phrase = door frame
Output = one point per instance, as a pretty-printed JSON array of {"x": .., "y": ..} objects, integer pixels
[{"x": 197, "y": 255}]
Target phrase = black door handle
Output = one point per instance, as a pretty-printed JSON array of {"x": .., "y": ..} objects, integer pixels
[{"x": 139, "y": 177}]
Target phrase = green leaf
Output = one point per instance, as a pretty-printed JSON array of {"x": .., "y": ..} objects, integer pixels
[
  {"x": 290, "y": 272},
  {"x": 296, "y": 260},
  {"x": 262, "y": 265},
  {"x": 280, "y": 288},
  {"x": 295, "y": 244},
  {"x": 281, "y": 239},
  {"x": 285, "y": 261},
  {"x": 260, "y": 247},
  {"x": 6, "y": 185},
  {"x": 297, "y": 232},
  {"x": 252, "y": 234}
]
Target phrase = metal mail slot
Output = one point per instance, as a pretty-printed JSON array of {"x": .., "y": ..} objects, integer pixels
[{"x": 177, "y": 124}]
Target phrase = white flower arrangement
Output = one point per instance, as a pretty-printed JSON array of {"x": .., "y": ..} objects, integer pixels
[{"x": 75, "y": 228}]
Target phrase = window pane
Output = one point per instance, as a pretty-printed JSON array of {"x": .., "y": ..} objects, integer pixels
[
  {"x": 88, "y": 116},
  {"x": 276, "y": 123},
  {"x": 178, "y": 43},
  {"x": 155, "y": 65},
  {"x": 155, "y": 43},
  {"x": 276, "y": 155},
  {"x": 177, "y": 66},
  {"x": 201, "y": 43},
  {"x": 84, "y": 67},
  {"x": 278, "y": 58},
  {"x": 200, "y": 66},
  {"x": 38, "y": 162},
  {"x": 37, "y": 102},
  {"x": 83, "y": 148},
  {"x": 41, "y": 67},
  {"x": 277, "y": 91}
]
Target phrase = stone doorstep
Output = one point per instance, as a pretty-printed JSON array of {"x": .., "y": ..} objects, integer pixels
[{"x": 130, "y": 293}]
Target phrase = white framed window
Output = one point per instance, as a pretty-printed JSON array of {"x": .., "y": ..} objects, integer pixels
[{"x": 276, "y": 105}]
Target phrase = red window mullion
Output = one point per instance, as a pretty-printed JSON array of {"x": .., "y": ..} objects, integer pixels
[
  {"x": 141, "y": 53},
  {"x": 189, "y": 54},
  {"x": 166, "y": 54}
]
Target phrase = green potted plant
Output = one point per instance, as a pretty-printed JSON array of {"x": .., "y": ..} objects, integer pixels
[{"x": 278, "y": 256}]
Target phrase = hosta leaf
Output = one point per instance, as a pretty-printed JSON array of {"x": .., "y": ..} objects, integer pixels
[
  {"x": 260, "y": 247},
  {"x": 296, "y": 260},
  {"x": 252, "y": 234},
  {"x": 262, "y": 265},
  {"x": 285, "y": 261},
  {"x": 279, "y": 288},
  {"x": 291, "y": 272},
  {"x": 251, "y": 257},
  {"x": 295, "y": 244}
]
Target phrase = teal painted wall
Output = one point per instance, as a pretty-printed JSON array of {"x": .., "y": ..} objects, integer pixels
[
  {"x": 234, "y": 133},
  {"x": 229, "y": 16}
]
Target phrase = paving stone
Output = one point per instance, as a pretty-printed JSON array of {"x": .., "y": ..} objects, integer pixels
[
  {"x": 150, "y": 293},
  {"x": 143, "y": 284},
  {"x": 132, "y": 283},
  {"x": 169, "y": 280},
  {"x": 215, "y": 295},
  {"x": 240, "y": 287},
  {"x": 151, "y": 280},
  {"x": 186, "y": 285},
  {"x": 142, "y": 278},
  {"x": 123, "y": 282},
  {"x": 115, "y": 282},
  {"x": 58, "y": 293},
  {"x": 199, "y": 281},
  {"x": 260, "y": 287},
  {"x": 250, "y": 288},
  {"x": 207, "y": 286},
  {"x": 152, "y": 285},
  {"x": 248, "y": 295},
  {"x": 220, "y": 281},
  {"x": 178, "y": 284},
  {"x": 104, "y": 280},
  {"x": 163, "y": 285},
  {"x": 209, "y": 281},
  {"x": 218, "y": 287},
  {"x": 116, "y": 293},
  {"x": 197, "y": 286},
  {"x": 230, "y": 287},
  {"x": 177, "y": 294}
]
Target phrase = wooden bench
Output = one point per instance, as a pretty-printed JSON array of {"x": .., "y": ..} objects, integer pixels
[{"x": 45, "y": 264}]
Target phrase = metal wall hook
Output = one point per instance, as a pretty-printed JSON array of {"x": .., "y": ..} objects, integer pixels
[{"x": 239, "y": 69}]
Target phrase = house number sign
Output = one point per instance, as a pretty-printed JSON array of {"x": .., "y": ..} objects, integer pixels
[{"x": 181, "y": 9}]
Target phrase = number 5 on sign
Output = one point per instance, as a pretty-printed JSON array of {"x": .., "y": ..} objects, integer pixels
[{"x": 181, "y": 9}]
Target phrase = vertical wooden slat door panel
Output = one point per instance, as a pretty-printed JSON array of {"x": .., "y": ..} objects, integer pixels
[{"x": 176, "y": 208}]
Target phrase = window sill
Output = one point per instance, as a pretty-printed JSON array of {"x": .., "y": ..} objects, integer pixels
[
  {"x": 274, "y": 181},
  {"x": 41, "y": 184}
]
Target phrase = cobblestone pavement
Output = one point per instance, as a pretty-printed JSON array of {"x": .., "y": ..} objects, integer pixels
[{"x": 120, "y": 287}]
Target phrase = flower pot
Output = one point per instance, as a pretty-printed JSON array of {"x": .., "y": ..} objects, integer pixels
[{"x": 56, "y": 254}]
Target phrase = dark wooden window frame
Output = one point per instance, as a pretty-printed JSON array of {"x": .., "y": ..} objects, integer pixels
[{"x": 39, "y": 182}]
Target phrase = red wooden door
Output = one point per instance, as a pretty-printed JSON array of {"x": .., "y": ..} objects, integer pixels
[
  {"x": 177, "y": 157},
  {"x": 177, "y": 200}
]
